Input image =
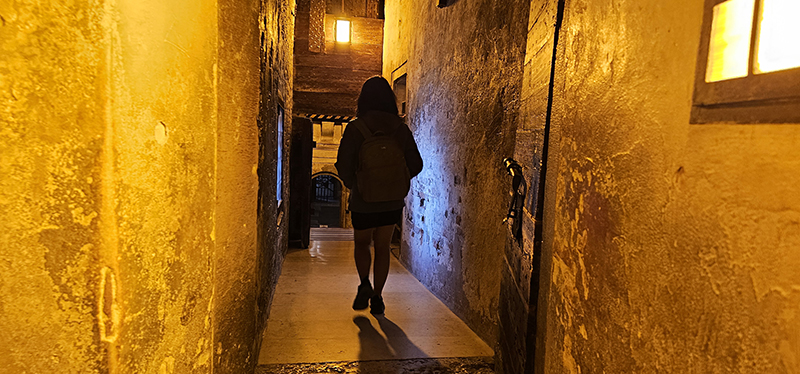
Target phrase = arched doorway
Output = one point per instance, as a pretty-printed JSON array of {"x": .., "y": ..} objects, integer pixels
[{"x": 326, "y": 200}]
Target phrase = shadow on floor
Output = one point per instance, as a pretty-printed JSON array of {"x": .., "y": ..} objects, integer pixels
[
  {"x": 372, "y": 345},
  {"x": 398, "y": 340},
  {"x": 377, "y": 351}
]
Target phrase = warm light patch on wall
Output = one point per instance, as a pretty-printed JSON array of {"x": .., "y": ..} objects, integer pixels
[
  {"x": 729, "y": 49},
  {"x": 342, "y": 31},
  {"x": 778, "y": 43}
]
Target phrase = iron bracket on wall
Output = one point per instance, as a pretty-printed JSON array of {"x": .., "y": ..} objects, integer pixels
[{"x": 519, "y": 190}]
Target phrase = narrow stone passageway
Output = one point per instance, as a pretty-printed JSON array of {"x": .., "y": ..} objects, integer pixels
[
  {"x": 607, "y": 186},
  {"x": 312, "y": 325}
]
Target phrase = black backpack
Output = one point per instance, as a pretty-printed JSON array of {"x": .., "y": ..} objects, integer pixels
[{"x": 382, "y": 173}]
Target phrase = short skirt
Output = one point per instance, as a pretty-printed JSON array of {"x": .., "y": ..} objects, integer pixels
[{"x": 363, "y": 221}]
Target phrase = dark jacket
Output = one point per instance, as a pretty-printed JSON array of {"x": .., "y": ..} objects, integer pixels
[{"x": 347, "y": 159}]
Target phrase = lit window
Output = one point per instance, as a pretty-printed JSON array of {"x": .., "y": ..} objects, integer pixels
[
  {"x": 778, "y": 34},
  {"x": 748, "y": 66},
  {"x": 729, "y": 48},
  {"x": 342, "y": 31}
]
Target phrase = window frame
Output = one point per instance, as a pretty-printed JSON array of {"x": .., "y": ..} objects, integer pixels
[{"x": 756, "y": 98}]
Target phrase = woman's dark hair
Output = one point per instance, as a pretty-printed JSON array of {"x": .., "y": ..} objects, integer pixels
[{"x": 376, "y": 94}]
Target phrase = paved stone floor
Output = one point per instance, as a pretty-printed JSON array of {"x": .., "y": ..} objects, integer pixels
[
  {"x": 467, "y": 365},
  {"x": 312, "y": 327}
]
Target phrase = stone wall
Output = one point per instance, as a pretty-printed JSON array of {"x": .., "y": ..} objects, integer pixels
[
  {"x": 251, "y": 232},
  {"x": 667, "y": 246},
  {"x": 464, "y": 72},
  {"x": 519, "y": 285},
  {"x": 277, "y": 55},
  {"x": 329, "y": 74},
  {"x": 673, "y": 245},
  {"x": 129, "y": 184}
]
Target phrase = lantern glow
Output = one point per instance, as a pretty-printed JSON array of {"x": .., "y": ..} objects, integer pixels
[{"x": 342, "y": 31}]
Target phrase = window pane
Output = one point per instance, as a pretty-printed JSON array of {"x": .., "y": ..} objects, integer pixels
[
  {"x": 279, "y": 173},
  {"x": 729, "y": 49},
  {"x": 778, "y": 46}
]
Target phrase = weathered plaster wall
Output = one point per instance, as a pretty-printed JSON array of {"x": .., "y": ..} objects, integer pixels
[
  {"x": 674, "y": 245},
  {"x": 51, "y": 140},
  {"x": 237, "y": 183},
  {"x": 116, "y": 119},
  {"x": 464, "y": 66},
  {"x": 157, "y": 182}
]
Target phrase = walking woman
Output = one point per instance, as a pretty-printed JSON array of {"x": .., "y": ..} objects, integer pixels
[{"x": 378, "y": 182}]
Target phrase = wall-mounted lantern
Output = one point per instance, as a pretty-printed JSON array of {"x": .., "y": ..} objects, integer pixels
[{"x": 342, "y": 31}]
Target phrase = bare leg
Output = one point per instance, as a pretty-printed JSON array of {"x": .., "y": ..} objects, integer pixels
[
  {"x": 362, "y": 239},
  {"x": 383, "y": 238}
]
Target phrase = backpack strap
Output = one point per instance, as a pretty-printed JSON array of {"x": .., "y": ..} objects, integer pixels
[{"x": 361, "y": 126}]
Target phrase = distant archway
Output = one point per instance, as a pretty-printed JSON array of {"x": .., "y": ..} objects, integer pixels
[{"x": 326, "y": 200}]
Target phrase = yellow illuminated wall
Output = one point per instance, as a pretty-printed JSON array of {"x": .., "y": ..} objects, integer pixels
[
  {"x": 129, "y": 179},
  {"x": 674, "y": 245}
]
